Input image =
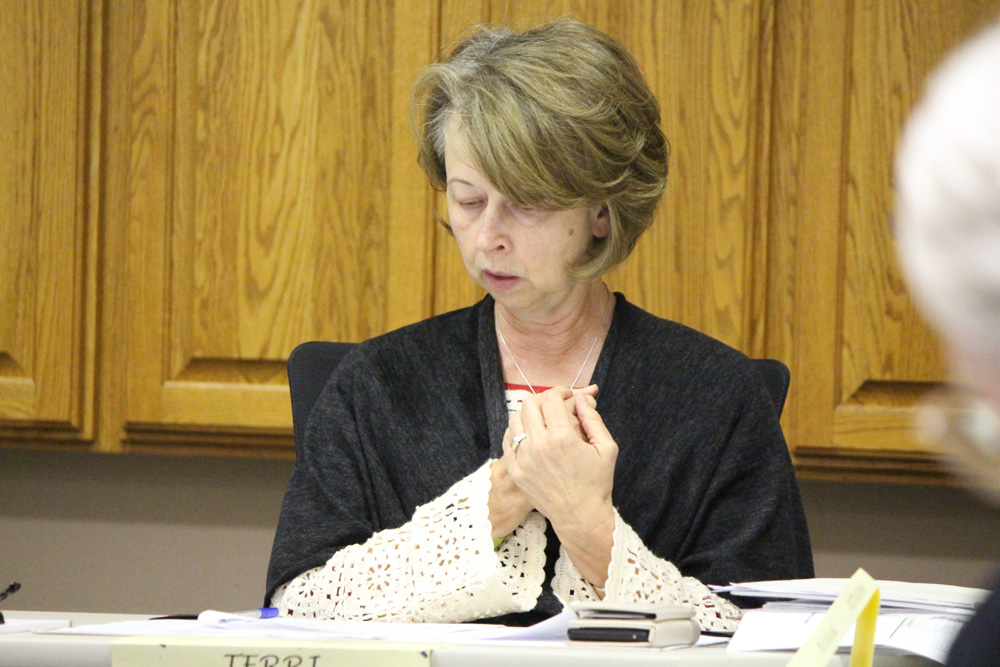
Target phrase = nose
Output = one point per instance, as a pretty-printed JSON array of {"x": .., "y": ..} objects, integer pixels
[{"x": 492, "y": 234}]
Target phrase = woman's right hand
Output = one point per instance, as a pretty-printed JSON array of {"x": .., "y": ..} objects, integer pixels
[
  {"x": 565, "y": 465},
  {"x": 507, "y": 503}
]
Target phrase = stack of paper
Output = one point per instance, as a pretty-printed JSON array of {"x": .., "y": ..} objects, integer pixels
[
  {"x": 898, "y": 595},
  {"x": 916, "y": 618}
]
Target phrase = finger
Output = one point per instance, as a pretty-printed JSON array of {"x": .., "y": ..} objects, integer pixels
[
  {"x": 591, "y": 421},
  {"x": 571, "y": 402},
  {"x": 557, "y": 410},
  {"x": 515, "y": 428},
  {"x": 590, "y": 391},
  {"x": 516, "y": 442},
  {"x": 570, "y": 405},
  {"x": 564, "y": 392},
  {"x": 532, "y": 421},
  {"x": 515, "y": 423}
]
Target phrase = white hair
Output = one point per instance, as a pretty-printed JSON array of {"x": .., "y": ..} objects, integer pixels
[{"x": 948, "y": 197}]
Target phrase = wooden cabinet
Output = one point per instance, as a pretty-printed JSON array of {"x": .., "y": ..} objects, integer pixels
[
  {"x": 199, "y": 185},
  {"x": 47, "y": 223},
  {"x": 261, "y": 191},
  {"x": 836, "y": 310}
]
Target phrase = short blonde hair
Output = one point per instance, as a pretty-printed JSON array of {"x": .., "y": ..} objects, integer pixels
[{"x": 558, "y": 115}]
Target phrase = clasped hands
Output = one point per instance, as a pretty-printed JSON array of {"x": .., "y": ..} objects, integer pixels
[{"x": 564, "y": 468}]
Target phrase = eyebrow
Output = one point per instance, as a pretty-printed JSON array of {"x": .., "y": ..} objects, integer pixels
[{"x": 461, "y": 180}]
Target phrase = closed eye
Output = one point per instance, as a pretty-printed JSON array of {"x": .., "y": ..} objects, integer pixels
[{"x": 527, "y": 212}]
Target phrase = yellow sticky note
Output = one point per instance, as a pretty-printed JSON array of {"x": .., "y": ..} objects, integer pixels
[
  {"x": 863, "y": 651},
  {"x": 857, "y": 603}
]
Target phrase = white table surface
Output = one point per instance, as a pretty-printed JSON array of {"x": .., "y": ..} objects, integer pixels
[{"x": 46, "y": 650}]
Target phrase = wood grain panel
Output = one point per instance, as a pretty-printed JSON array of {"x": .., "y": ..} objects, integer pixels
[
  {"x": 812, "y": 44},
  {"x": 224, "y": 180},
  {"x": 261, "y": 170},
  {"x": 453, "y": 287},
  {"x": 410, "y": 226},
  {"x": 242, "y": 182},
  {"x": 46, "y": 290},
  {"x": 885, "y": 346},
  {"x": 703, "y": 60}
]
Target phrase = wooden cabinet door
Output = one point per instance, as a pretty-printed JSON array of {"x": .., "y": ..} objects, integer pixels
[
  {"x": 846, "y": 78},
  {"x": 47, "y": 231},
  {"x": 262, "y": 190}
]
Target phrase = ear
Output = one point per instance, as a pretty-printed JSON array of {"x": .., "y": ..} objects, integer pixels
[{"x": 601, "y": 221}]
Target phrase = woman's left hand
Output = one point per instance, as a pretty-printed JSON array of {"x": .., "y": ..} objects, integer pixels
[{"x": 565, "y": 465}]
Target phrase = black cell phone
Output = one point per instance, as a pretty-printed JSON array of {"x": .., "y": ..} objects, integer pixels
[{"x": 606, "y": 634}]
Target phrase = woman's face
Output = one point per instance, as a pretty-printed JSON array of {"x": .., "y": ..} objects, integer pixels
[{"x": 520, "y": 255}]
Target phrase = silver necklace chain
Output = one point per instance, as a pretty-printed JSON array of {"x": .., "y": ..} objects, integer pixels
[{"x": 607, "y": 309}]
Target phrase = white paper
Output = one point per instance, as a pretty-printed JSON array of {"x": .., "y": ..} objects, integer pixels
[
  {"x": 220, "y": 624},
  {"x": 12, "y": 625},
  {"x": 897, "y": 594},
  {"x": 145, "y": 628},
  {"x": 926, "y": 635},
  {"x": 929, "y": 636}
]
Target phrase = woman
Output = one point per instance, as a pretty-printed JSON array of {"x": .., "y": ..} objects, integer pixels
[
  {"x": 553, "y": 442},
  {"x": 948, "y": 234}
]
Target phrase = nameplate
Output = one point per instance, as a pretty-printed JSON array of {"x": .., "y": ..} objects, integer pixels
[{"x": 240, "y": 652}]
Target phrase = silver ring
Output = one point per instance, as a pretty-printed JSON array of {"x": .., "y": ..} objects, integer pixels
[{"x": 517, "y": 440}]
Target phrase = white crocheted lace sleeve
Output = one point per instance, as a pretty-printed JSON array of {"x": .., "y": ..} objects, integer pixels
[
  {"x": 636, "y": 574},
  {"x": 439, "y": 567}
]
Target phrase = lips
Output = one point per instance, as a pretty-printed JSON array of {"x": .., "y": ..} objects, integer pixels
[{"x": 499, "y": 281}]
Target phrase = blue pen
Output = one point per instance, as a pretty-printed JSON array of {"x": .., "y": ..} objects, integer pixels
[{"x": 262, "y": 612}]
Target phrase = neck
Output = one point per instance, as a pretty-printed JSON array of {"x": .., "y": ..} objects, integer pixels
[{"x": 550, "y": 350}]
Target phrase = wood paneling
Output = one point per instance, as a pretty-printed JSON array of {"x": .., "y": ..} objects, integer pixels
[
  {"x": 860, "y": 352},
  {"x": 48, "y": 240},
  {"x": 805, "y": 191},
  {"x": 887, "y": 354},
  {"x": 192, "y": 188},
  {"x": 452, "y": 287},
  {"x": 256, "y": 169}
]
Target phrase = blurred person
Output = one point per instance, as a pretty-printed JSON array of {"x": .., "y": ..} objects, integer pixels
[{"x": 947, "y": 227}]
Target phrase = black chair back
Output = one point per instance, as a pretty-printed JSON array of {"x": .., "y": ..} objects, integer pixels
[
  {"x": 309, "y": 367},
  {"x": 776, "y": 379}
]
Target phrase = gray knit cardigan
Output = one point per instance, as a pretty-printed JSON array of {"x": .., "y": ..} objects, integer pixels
[{"x": 703, "y": 473}]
